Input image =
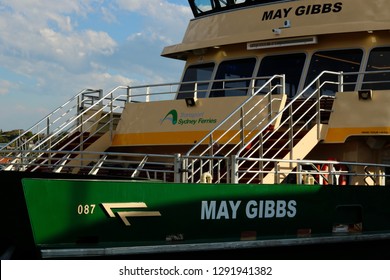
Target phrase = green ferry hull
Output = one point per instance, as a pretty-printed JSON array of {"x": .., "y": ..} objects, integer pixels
[{"x": 96, "y": 214}]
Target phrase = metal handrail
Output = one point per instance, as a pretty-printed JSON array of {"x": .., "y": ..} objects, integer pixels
[
  {"x": 43, "y": 122},
  {"x": 237, "y": 110},
  {"x": 240, "y": 121},
  {"x": 288, "y": 122},
  {"x": 353, "y": 170},
  {"x": 51, "y": 135},
  {"x": 179, "y": 165},
  {"x": 68, "y": 113},
  {"x": 297, "y": 97},
  {"x": 169, "y": 168},
  {"x": 82, "y": 139},
  {"x": 68, "y": 127}
]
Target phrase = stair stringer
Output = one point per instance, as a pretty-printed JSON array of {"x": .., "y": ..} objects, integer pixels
[
  {"x": 91, "y": 117},
  {"x": 299, "y": 151},
  {"x": 100, "y": 145}
]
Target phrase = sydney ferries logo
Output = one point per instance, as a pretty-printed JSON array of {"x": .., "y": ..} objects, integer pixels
[
  {"x": 171, "y": 116},
  {"x": 187, "y": 118}
]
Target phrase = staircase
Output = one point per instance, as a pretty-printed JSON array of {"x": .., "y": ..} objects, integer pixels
[
  {"x": 300, "y": 150},
  {"x": 70, "y": 128},
  {"x": 289, "y": 134},
  {"x": 252, "y": 150},
  {"x": 301, "y": 129}
]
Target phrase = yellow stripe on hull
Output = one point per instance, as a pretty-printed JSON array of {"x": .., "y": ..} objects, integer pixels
[
  {"x": 170, "y": 138},
  {"x": 339, "y": 135}
]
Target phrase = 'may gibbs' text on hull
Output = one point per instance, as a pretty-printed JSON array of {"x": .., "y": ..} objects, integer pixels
[
  {"x": 137, "y": 212},
  {"x": 217, "y": 210}
]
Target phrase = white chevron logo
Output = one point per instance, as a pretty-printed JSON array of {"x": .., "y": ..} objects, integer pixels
[{"x": 124, "y": 215}]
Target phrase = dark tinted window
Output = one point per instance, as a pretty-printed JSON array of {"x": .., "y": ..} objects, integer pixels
[
  {"x": 379, "y": 64},
  {"x": 196, "y": 74},
  {"x": 237, "y": 75},
  {"x": 291, "y": 65},
  {"x": 204, "y": 7},
  {"x": 339, "y": 60}
]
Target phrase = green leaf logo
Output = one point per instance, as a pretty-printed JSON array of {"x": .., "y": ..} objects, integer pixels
[{"x": 171, "y": 116}]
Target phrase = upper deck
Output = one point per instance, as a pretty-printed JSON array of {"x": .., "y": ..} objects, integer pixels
[
  {"x": 246, "y": 22},
  {"x": 275, "y": 106}
]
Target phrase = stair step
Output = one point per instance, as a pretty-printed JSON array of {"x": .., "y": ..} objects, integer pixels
[{"x": 61, "y": 150}]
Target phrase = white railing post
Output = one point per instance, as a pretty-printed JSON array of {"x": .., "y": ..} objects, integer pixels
[
  {"x": 318, "y": 117},
  {"x": 101, "y": 96},
  {"x": 299, "y": 174},
  {"x": 276, "y": 168},
  {"x": 111, "y": 116},
  {"x": 177, "y": 167},
  {"x": 341, "y": 82},
  {"x": 147, "y": 97},
  {"x": 234, "y": 169},
  {"x": 318, "y": 86},
  {"x": 242, "y": 128},
  {"x": 79, "y": 102},
  {"x": 269, "y": 106},
  {"x": 128, "y": 95},
  {"x": 283, "y": 84},
  {"x": 330, "y": 174},
  {"x": 48, "y": 132}
]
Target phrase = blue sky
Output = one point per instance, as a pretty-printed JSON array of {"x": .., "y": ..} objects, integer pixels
[{"x": 51, "y": 50}]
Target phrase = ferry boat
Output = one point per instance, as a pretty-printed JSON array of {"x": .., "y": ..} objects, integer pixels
[{"x": 277, "y": 135}]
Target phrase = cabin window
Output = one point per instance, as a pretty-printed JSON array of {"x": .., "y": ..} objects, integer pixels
[
  {"x": 236, "y": 76},
  {"x": 291, "y": 65},
  {"x": 336, "y": 61},
  {"x": 224, "y": 3},
  {"x": 379, "y": 65},
  {"x": 204, "y": 5},
  {"x": 196, "y": 76}
]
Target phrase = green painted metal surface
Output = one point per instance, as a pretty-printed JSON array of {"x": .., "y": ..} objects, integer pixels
[{"x": 97, "y": 212}]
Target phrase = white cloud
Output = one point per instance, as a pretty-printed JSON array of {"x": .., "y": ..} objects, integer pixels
[
  {"x": 108, "y": 15},
  {"x": 5, "y": 87},
  {"x": 155, "y": 8},
  {"x": 50, "y": 50},
  {"x": 167, "y": 20},
  {"x": 37, "y": 40}
]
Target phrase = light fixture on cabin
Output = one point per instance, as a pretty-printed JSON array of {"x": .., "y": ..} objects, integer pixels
[
  {"x": 278, "y": 31},
  {"x": 365, "y": 94},
  {"x": 191, "y": 101}
]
